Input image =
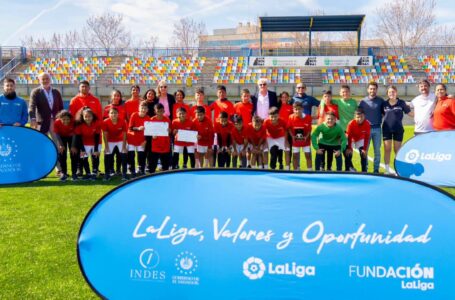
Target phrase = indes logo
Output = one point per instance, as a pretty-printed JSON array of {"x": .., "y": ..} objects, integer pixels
[
  {"x": 149, "y": 259},
  {"x": 414, "y": 155},
  {"x": 255, "y": 268}
]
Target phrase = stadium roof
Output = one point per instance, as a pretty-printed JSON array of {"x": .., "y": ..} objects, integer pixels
[{"x": 312, "y": 23}]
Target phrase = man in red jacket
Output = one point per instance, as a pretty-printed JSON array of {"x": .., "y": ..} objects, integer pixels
[{"x": 85, "y": 98}]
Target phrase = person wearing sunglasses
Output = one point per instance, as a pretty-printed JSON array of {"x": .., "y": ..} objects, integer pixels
[
  {"x": 165, "y": 98},
  {"x": 263, "y": 100},
  {"x": 308, "y": 102}
]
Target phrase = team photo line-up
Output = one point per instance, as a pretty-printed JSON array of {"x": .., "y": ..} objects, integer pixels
[{"x": 261, "y": 131}]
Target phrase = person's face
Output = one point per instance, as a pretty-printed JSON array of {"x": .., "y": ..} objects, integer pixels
[
  {"x": 327, "y": 98},
  {"x": 113, "y": 115},
  {"x": 88, "y": 117},
  {"x": 84, "y": 89},
  {"x": 274, "y": 118},
  {"x": 142, "y": 110},
  {"x": 424, "y": 89},
  {"x": 330, "y": 120},
  {"x": 440, "y": 91},
  {"x": 66, "y": 120},
  {"x": 297, "y": 110},
  {"x": 200, "y": 116},
  {"x": 163, "y": 89},
  {"x": 300, "y": 89},
  {"x": 221, "y": 94},
  {"x": 262, "y": 86},
  {"x": 284, "y": 98},
  {"x": 182, "y": 116},
  {"x": 199, "y": 97},
  {"x": 223, "y": 121},
  {"x": 179, "y": 97},
  {"x": 150, "y": 96},
  {"x": 238, "y": 125},
  {"x": 345, "y": 93},
  {"x": 9, "y": 87},
  {"x": 359, "y": 118},
  {"x": 372, "y": 91},
  {"x": 159, "y": 112},
  {"x": 135, "y": 92},
  {"x": 45, "y": 81},
  {"x": 246, "y": 97},
  {"x": 115, "y": 98},
  {"x": 391, "y": 93},
  {"x": 257, "y": 125}
]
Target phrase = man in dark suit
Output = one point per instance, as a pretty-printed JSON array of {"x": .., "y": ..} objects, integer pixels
[
  {"x": 45, "y": 103},
  {"x": 263, "y": 100}
]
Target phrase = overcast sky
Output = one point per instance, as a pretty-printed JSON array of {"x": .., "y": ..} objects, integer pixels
[{"x": 156, "y": 17}]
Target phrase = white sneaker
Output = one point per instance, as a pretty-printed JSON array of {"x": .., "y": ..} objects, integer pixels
[{"x": 352, "y": 169}]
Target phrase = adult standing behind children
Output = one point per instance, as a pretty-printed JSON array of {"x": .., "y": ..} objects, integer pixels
[
  {"x": 85, "y": 99},
  {"x": 263, "y": 100},
  {"x": 444, "y": 111},
  {"x": 373, "y": 105},
  {"x": 308, "y": 102},
  {"x": 13, "y": 109},
  {"x": 165, "y": 98},
  {"x": 45, "y": 103},
  {"x": 423, "y": 106}
]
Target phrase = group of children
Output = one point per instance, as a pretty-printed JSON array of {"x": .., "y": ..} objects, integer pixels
[{"x": 236, "y": 138}]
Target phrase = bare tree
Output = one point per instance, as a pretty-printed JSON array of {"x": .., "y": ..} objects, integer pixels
[
  {"x": 444, "y": 35},
  {"x": 71, "y": 39},
  {"x": 186, "y": 33},
  {"x": 149, "y": 43},
  {"x": 106, "y": 31},
  {"x": 404, "y": 23}
]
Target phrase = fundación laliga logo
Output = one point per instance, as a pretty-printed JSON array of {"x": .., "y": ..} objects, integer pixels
[
  {"x": 255, "y": 268},
  {"x": 412, "y": 156},
  {"x": 8, "y": 149}
]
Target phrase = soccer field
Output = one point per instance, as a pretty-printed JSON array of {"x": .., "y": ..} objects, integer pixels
[{"x": 39, "y": 224}]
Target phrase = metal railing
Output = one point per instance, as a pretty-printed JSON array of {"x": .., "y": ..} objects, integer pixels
[{"x": 8, "y": 67}]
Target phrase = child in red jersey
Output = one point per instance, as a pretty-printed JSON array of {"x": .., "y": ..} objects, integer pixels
[
  {"x": 199, "y": 97},
  {"x": 239, "y": 141},
  {"x": 114, "y": 136},
  {"x": 161, "y": 145},
  {"x": 205, "y": 137},
  {"x": 276, "y": 136},
  {"x": 327, "y": 105},
  {"x": 132, "y": 105},
  {"x": 358, "y": 136},
  {"x": 245, "y": 107},
  {"x": 86, "y": 140},
  {"x": 223, "y": 129},
  {"x": 179, "y": 102},
  {"x": 64, "y": 131},
  {"x": 286, "y": 110},
  {"x": 116, "y": 102},
  {"x": 299, "y": 128},
  {"x": 257, "y": 139},
  {"x": 136, "y": 139},
  {"x": 182, "y": 123}
]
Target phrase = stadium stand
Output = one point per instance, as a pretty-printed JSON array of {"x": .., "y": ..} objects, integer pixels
[
  {"x": 438, "y": 68},
  {"x": 386, "y": 69},
  {"x": 65, "y": 70},
  {"x": 150, "y": 70},
  {"x": 236, "y": 70}
]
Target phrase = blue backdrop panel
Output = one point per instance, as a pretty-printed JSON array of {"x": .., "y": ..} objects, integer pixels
[
  {"x": 246, "y": 234},
  {"x": 25, "y": 155},
  {"x": 428, "y": 157}
]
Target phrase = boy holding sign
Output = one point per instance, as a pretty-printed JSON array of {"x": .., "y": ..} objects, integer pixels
[
  {"x": 205, "y": 136},
  {"x": 161, "y": 145},
  {"x": 185, "y": 137}
]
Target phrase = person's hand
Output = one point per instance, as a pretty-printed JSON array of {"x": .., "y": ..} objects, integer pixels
[
  {"x": 199, "y": 136},
  {"x": 33, "y": 124},
  {"x": 83, "y": 154},
  {"x": 96, "y": 154},
  {"x": 73, "y": 150},
  {"x": 141, "y": 128},
  {"x": 348, "y": 151},
  {"x": 320, "y": 151},
  {"x": 61, "y": 149},
  {"x": 17, "y": 124},
  {"x": 154, "y": 137},
  {"x": 337, "y": 153},
  {"x": 363, "y": 152},
  {"x": 107, "y": 150}
]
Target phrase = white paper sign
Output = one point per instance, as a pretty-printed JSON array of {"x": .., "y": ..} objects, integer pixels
[
  {"x": 156, "y": 128},
  {"x": 189, "y": 136}
]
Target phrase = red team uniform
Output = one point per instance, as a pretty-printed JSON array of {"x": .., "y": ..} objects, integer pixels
[
  {"x": 120, "y": 108},
  {"x": 218, "y": 106},
  {"x": 80, "y": 101},
  {"x": 275, "y": 131},
  {"x": 205, "y": 130},
  {"x": 115, "y": 131},
  {"x": 161, "y": 144},
  {"x": 187, "y": 125},
  {"x": 136, "y": 137},
  {"x": 300, "y": 128},
  {"x": 208, "y": 111},
  {"x": 245, "y": 110}
]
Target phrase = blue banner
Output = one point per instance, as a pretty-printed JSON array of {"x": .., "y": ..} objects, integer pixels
[
  {"x": 248, "y": 234},
  {"x": 25, "y": 155},
  {"x": 428, "y": 157}
]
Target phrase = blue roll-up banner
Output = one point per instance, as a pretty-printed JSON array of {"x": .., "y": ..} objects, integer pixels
[
  {"x": 25, "y": 155},
  {"x": 249, "y": 234},
  {"x": 428, "y": 157}
]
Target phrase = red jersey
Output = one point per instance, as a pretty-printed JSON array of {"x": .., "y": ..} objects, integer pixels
[
  {"x": 88, "y": 132},
  {"x": 275, "y": 131},
  {"x": 325, "y": 108},
  {"x": 114, "y": 132},
  {"x": 239, "y": 137},
  {"x": 131, "y": 107},
  {"x": 444, "y": 114},
  {"x": 136, "y": 137},
  {"x": 356, "y": 132},
  {"x": 62, "y": 130},
  {"x": 187, "y": 125},
  {"x": 161, "y": 144},
  {"x": 245, "y": 110},
  {"x": 223, "y": 134},
  {"x": 255, "y": 136},
  {"x": 208, "y": 111},
  {"x": 300, "y": 128},
  {"x": 285, "y": 111},
  {"x": 120, "y": 108},
  {"x": 205, "y": 131},
  {"x": 218, "y": 106},
  {"x": 80, "y": 101},
  {"x": 177, "y": 105}
]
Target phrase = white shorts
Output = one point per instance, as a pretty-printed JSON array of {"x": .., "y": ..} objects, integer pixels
[
  {"x": 112, "y": 146},
  {"x": 89, "y": 150},
  {"x": 135, "y": 148},
  {"x": 279, "y": 142},
  {"x": 202, "y": 149},
  {"x": 263, "y": 148},
  {"x": 239, "y": 148},
  {"x": 306, "y": 149},
  {"x": 179, "y": 149}
]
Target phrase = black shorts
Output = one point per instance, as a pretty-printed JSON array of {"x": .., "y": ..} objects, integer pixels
[{"x": 396, "y": 135}]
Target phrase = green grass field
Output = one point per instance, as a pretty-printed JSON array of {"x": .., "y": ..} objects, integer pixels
[{"x": 39, "y": 224}]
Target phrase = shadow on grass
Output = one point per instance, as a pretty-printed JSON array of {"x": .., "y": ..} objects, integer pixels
[{"x": 53, "y": 181}]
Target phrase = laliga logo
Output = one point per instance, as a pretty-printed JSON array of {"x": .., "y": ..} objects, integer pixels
[
  {"x": 253, "y": 268},
  {"x": 414, "y": 155}
]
